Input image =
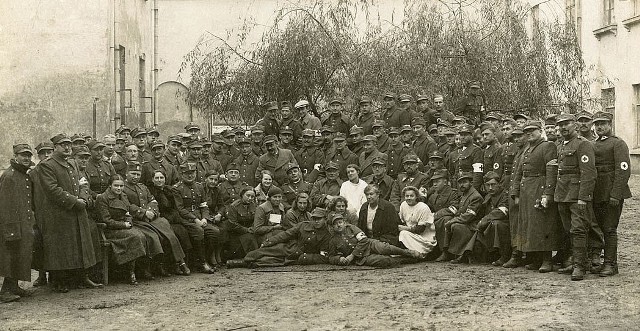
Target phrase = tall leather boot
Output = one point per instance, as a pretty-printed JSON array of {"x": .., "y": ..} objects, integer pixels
[
  {"x": 594, "y": 258},
  {"x": 505, "y": 254},
  {"x": 610, "y": 266},
  {"x": 203, "y": 266},
  {"x": 515, "y": 260},
  {"x": 579, "y": 263},
  {"x": 567, "y": 266},
  {"x": 547, "y": 263}
]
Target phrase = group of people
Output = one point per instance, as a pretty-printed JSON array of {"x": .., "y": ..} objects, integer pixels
[{"x": 399, "y": 184}]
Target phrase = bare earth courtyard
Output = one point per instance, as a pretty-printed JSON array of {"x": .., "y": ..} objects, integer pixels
[{"x": 425, "y": 296}]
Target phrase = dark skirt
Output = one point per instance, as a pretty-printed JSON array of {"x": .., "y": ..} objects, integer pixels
[
  {"x": 168, "y": 239},
  {"x": 126, "y": 244}
]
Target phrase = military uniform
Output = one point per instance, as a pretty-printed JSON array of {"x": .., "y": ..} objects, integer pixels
[
  {"x": 99, "y": 173},
  {"x": 230, "y": 192},
  {"x": 170, "y": 172},
  {"x": 247, "y": 165},
  {"x": 385, "y": 184},
  {"x": 383, "y": 143},
  {"x": 238, "y": 224},
  {"x": 470, "y": 159},
  {"x": 418, "y": 180},
  {"x": 493, "y": 159},
  {"x": 174, "y": 160},
  {"x": 201, "y": 168},
  {"x": 309, "y": 158},
  {"x": 324, "y": 187},
  {"x": 291, "y": 190},
  {"x": 339, "y": 124},
  {"x": 295, "y": 127},
  {"x": 396, "y": 153},
  {"x": 276, "y": 164},
  {"x": 423, "y": 146},
  {"x": 343, "y": 159},
  {"x": 365, "y": 161},
  {"x": 365, "y": 121}
]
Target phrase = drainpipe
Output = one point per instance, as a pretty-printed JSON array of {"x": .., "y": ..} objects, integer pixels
[
  {"x": 155, "y": 63},
  {"x": 114, "y": 58}
]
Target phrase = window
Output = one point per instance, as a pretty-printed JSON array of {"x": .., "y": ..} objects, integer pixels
[{"x": 609, "y": 15}]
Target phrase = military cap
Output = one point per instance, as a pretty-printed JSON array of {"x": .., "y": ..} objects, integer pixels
[
  {"x": 269, "y": 138},
  {"x": 195, "y": 144},
  {"x": 184, "y": 135},
  {"x": 44, "y": 146},
  {"x": 274, "y": 190},
  {"x": 465, "y": 175},
  {"x": 308, "y": 133},
  {"x": 493, "y": 115},
  {"x": 441, "y": 122},
  {"x": 466, "y": 128},
  {"x": 438, "y": 97},
  {"x": 584, "y": 114},
  {"x": 191, "y": 126},
  {"x": 440, "y": 173},
  {"x": 228, "y": 134},
  {"x": 474, "y": 84},
  {"x": 216, "y": 138},
  {"x": 339, "y": 136},
  {"x": 382, "y": 159},
  {"x": 459, "y": 119},
  {"x": 365, "y": 99},
  {"x": 153, "y": 131},
  {"x": 509, "y": 120},
  {"x": 301, "y": 103},
  {"x": 257, "y": 128},
  {"x": 331, "y": 165},
  {"x": 377, "y": 123},
  {"x": 232, "y": 166},
  {"x": 419, "y": 120},
  {"x": 521, "y": 115},
  {"x": 138, "y": 132},
  {"x": 602, "y": 116},
  {"x": 285, "y": 104},
  {"x": 532, "y": 125},
  {"x": 389, "y": 95},
  {"x": 157, "y": 143},
  {"x": 175, "y": 138},
  {"x": 410, "y": 158},
  {"x": 432, "y": 128},
  {"x": 21, "y": 148},
  {"x": 369, "y": 137},
  {"x": 336, "y": 100},
  {"x": 333, "y": 217},
  {"x": 271, "y": 105},
  {"x": 319, "y": 212},
  {"x": 436, "y": 155},
  {"x": 564, "y": 118},
  {"x": 81, "y": 150},
  {"x": 421, "y": 97},
  {"x": 86, "y": 136},
  {"x": 134, "y": 166},
  {"x": 286, "y": 130},
  {"x": 291, "y": 166},
  {"x": 77, "y": 137},
  {"x": 550, "y": 119},
  {"x": 239, "y": 131},
  {"x": 355, "y": 130},
  {"x": 119, "y": 139},
  {"x": 243, "y": 140},
  {"x": 326, "y": 128},
  {"x": 394, "y": 130},
  {"x": 487, "y": 126},
  {"x": 405, "y": 128},
  {"x": 404, "y": 98},
  {"x": 450, "y": 132},
  {"x": 188, "y": 167},
  {"x": 122, "y": 129},
  {"x": 95, "y": 144},
  {"x": 491, "y": 177},
  {"x": 517, "y": 131}
]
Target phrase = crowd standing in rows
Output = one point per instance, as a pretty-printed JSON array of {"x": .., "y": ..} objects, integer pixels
[{"x": 396, "y": 185}]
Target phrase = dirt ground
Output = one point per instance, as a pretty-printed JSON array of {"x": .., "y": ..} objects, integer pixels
[{"x": 425, "y": 296}]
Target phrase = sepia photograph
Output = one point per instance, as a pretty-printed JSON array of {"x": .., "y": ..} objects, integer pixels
[{"x": 319, "y": 165}]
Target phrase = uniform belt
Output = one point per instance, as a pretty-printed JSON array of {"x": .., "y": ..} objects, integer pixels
[{"x": 606, "y": 168}]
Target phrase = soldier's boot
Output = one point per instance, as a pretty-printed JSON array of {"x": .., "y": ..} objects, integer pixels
[
  {"x": 182, "y": 269},
  {"x": 567, "y": 266},
  {"x": 445, "y": 256},
  {"x": 239, "y": 263},
  {"x": 535, "y": 261},
  {"x": 547, "y": 263},
  {"x": 610, "y": 266},
  {"x": 505, "y": 254},
  {"x": 515, "y": 260},
  {"x": 596, "y": 263},
  {"x": 579, "y": 264},
  {"x": 202, "y": 264},
  {"x": 41, "y": 280}
]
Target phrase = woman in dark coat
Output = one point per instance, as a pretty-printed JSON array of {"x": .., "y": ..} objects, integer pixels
[
  {"x": 298, "y": 212},
  {"x": 165, "y": 199},
  {"x": 16, "y": 224},
  {"x": 238, "y": 225},
  {"x": 267, "y": 220},
  {"x": 127, "y": 242},
  {"x": 379, "y": 218}
]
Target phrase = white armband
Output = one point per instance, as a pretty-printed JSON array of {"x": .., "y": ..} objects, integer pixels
[{"x": 477, "y": 167}]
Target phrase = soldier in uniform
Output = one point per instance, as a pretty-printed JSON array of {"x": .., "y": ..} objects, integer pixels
[
  {"x": 396, "y": 151},
  {"x": 473, "y": 105},
  {"x": 611, "y": 188},
  {"x": 424, "y": 144},
  {"x": 269, "y": 122},
  {"x": 365, "y": 115},
  {"x": 441, "y": 195},
  {"x": 152, "y": 136},
  {"x": 193, "y": 209},
  {"x": 98, "y": 170},
  {"x": 229, "y": 147},
  {"x": 172, "y": 152},
  {"x": 448, "y": 143},
  {"x": 354, "y": 141},
  {"x": 294, "y": 185},
  {"x": 274, "y": 160},
  {"x": 124, "y": 132},
  {"x": 210, "y": 162},
  {"x": 380, "y": 177},
  {"x": 230, "y": 188},
  {"x": 411, "y": 177},
  {"x": 247, "y": 162},
  {"x": 194, "y": 157},
  {"x": 470, "y": 158},
  {"x": 327, "y": 139},
  {"x": 550, "y": 128},
  {"x": 309, "y": 157},
  {"x": 512, "y": 164},
  {"x": 392, "y": 115},
  {"x": 574, "y": 190},
  {"x": 381, "y": 137},
  {"x": 584, "y": 120},
  {"x": 406, "y": 135},
  {"x": 326, "y": 189},
  {"x": 218, "y": 151},
  {"x": 192, "y": 129},
  {"x": 338, "y": 120},
  {"x": 307, "y": 120},
  {"x": 289, "y": 121},
  {"x": 496, "y": 120},
  {"x": 77, "y": 140},
  {"x": 341, "y": 155},
  {"x": 287, "y": 138},
  {"x": 257, "y": 135},
  {"x": 439, "y": 113},
  {"x": 533, "y": 187},
  {"x": 493, "y": 151},
  {"x": 521, "y": 119},
  {"x": 435, "y": 163},
  {"x": 159, "y": 162},
  {"x": 369, "y": 152},
  {"x": 140, "y": 140},
  {"x": 493, "y": 228}
]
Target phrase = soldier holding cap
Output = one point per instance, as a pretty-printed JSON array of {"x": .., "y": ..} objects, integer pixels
[
  {"x": 533, "y": 185},
  {"x": 341, "y": 155},
  {"x": 307, "y": 120},
  {"x": 365, "y": 115},
  {"x": 396, "y": 151},
  {"x": 338, "y": 120},
  {"x": 16, "y": 224},
  {"x": 326, "y": 189},
  {"x": 611, "y": 188},
  {"x": 379, "y": 177},
  {"x": 574, "y": 191}
]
